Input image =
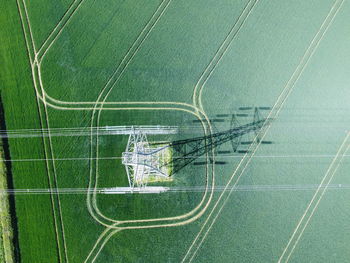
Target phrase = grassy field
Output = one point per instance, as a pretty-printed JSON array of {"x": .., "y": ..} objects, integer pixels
[
  {"x": 65, "y": 58},
  {"x": 6, "y": 232}
]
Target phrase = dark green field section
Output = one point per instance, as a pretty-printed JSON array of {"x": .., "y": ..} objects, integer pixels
[
  {"x": 37, "y": 238},
  {"x": 157, "y": 51}
]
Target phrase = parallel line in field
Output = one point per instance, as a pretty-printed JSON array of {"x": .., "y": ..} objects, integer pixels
[{"x": 46, "y": 149}]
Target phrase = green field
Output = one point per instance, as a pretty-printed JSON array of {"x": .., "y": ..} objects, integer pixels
[{"x": 86, "y": 64}]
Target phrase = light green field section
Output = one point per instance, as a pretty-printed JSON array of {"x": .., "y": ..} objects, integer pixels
[
  {"x": 259, "y": 63},
  {"x": 307, "y": 134},
  {"x": 167, "y": 64}
]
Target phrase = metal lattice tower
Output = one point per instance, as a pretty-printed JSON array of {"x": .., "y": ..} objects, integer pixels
[{"x": 142, "y": 161}]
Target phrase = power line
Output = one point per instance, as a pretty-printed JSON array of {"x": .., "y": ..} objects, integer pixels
[
  {"x": 88, "y": 131},
  {"x": 241, "y": 188},
  {"x": 203, "y": 157}
]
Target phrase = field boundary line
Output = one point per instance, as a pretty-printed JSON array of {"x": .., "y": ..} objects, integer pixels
[
  {"x": 29, "y": 27},
  {"x": 29, "y": 51},
  {"x": 272, "y": 115},
  {"x": 156, "y": 219},
  {"x": 316, "y": 199}
]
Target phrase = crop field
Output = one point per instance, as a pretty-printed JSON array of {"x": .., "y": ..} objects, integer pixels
[{"x": 73, "y": 69}]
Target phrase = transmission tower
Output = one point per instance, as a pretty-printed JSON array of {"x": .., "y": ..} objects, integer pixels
[
  {"x": 144, "y": 162},
  {"x": 157, "y": 161}
]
